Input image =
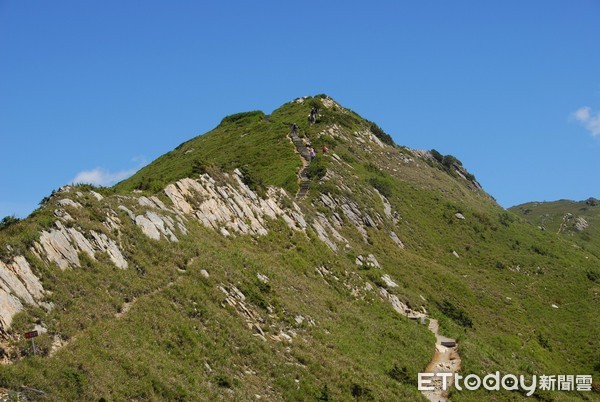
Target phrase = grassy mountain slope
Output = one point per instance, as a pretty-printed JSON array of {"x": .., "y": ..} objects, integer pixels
[
  {"x": 172, "y": 326},
  {"x": 578, "y": 221}
]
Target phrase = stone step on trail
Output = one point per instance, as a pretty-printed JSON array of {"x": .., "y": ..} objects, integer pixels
[
  {"x": 303, "y": 179},
  {"x": 304, "y": 187},
  {"x": 302, "y": 149}
]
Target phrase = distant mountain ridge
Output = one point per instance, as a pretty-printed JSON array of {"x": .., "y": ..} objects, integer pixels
[{"x": 578, "y": 220}]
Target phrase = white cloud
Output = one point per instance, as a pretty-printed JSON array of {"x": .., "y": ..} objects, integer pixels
[
  {"x": 102, "y": 177},
  {"x": 590, "y": 121},
  {"x": 582, "y": 114}
]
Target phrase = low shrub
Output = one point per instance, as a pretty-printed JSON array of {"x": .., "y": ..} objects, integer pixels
[
  {"x": 382, "y": 135},
  {"x": 455, "y": 313},
  {"x": 317, "y": 168},
  {"x": 239, "y": 118},
  {"x": 382, "y": 185},
  {"x": 8, "y": 221}
]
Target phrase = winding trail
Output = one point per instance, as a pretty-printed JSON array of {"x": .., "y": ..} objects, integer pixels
[
  {"x": 445, "y": 360},
  {"x": 303, "y": 179}
]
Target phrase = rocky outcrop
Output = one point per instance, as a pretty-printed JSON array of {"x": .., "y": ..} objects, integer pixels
[
  {"x": 231, "y": 207},
  {"x": 387, "y": 207},
  {"x": 329, "y": 103},
  {"x": 97, "y": 196},
  {"x": 400, "y": 307},
  {"x": 18, "y": 287},
  {"x": 236, "y": 299},
  {"x": 326, "y": 231},
  {"x": 63, "y": 245},
  {"x": 365, "y": 138},
  {"x": 396, "y": 239},
  {"x": 112, "y": 221},
  {"x": 152, "y": 202},
  {"x": 341, "y": 205},
  {"x": 370, "y": 261},
  {"x": 350, "y": 210},
  {"x": 388, "y": 281},
  {"x": 580, "y": 224},
  {"x": 66, "y": 202},
  {"x": 155, "y": 224},
  {"x": 63, "y": 215},
  {"x": 103, "y": 243},
  {"x": 565, "y": 221}
]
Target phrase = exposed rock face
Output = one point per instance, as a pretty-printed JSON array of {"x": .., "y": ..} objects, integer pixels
[
  {"x": 351, "y": 211},
  {"x": 154, "y": 224},
  {"x": 102, "y": 242},
  {"x": 18, "y": 286},
  {"x": 580, "y": 224},
  {"x": 347, "y": 212},
  {"x": 565, "y": 222},
  {"x": 361, "y": 220},
  {"x": 97, "y": 196},
  {"x": 231, "y": 208},
  {"x": 396, "y": 239},
  {"x": 329, "y": 103},
  {"x": 376, "y": 140},
  {"x": 68, "y": 202},
  {"x": 388, "y": 281},
  {"x": 399, "y": 306},
  {"x": 325, "y": 229},
  {"x": 63, "y": 215},
  {"x": 62, "y": 246},
  {"x": 262, "y": 278},
  {"x": 236, "y": 299},
  {"x": 112, "y": 221},
  {"x": 370, "y": 261},
  {"x": 148, "y": 227},
  {"x": 59, "y": 246},
  {"x": 387, "y": 208}
]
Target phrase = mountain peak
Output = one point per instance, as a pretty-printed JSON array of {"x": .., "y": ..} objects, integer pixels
[
  {"x": 289, "y": 256},
  {"x": 261, "y": 145}
]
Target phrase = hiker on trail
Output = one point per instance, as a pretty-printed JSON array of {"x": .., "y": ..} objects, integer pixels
[
  {"x": 312, "y": 117},
  {"x": 325, "y": 149},
  {"x": 294, "y": 128},
  {"x": 312, "y": 153}
]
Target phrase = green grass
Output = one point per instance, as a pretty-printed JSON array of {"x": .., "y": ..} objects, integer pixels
[
  {"x": 162, "y": 344},
  {"x": 180, "y": 340},
  {"x": 549, "y": 216}
]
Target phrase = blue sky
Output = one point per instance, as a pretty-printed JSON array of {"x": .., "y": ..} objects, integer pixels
[{"x": 97, "y": 89}]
